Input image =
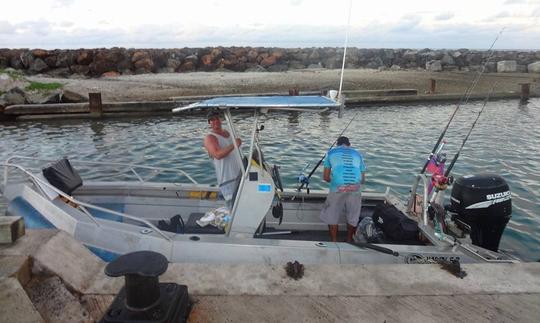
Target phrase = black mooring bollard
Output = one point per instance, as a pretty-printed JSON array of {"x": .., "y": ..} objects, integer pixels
[{"x": 144, "y": 298}]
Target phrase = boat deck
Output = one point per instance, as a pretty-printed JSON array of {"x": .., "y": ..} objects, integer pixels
[{"x": 262, "y": 293}]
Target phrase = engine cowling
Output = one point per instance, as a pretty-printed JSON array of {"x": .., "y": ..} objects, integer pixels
[{"x": 484, "y": 202}]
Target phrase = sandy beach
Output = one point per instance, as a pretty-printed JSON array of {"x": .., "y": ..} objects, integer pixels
[{"x": 165, "y": 86}]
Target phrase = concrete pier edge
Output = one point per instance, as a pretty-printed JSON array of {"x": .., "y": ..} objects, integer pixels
[{"x": 498, "y": 292}]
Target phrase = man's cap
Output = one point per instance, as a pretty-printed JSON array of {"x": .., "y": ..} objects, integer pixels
[
  {"x": 343, "y": 141},
  {"x": 212, "y": 114}
]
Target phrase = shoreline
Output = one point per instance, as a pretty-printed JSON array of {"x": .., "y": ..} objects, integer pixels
[{"x": 149, "y": 94}]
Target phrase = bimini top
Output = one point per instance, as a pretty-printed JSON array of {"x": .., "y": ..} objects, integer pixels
[{"x": 283, "y": 102}]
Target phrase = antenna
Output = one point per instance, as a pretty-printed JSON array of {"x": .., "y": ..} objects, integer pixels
[{"x": 344, "y": 56}]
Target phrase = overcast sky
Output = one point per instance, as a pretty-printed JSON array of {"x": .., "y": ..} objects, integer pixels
[{"x": 283, "y": 23}]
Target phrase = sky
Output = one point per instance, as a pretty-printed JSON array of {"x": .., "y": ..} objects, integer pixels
[{"x": 473, "y": 24}]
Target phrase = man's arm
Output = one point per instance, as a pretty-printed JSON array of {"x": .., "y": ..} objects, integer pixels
[
  {"x": 212, "y": 146},
  {"x": 326, "y": 174}
]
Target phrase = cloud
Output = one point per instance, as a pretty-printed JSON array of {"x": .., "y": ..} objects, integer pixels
[
  {"x": 62, "y": 3},
  {"x": 407, "y": 23},
  {"x": 296, "y": 3},
  {"x": 511, "y": 2},
  {"x": 6, "y": 28},
  {"x": 409, "y": 32},
  {"x": 444, "y": 16}
]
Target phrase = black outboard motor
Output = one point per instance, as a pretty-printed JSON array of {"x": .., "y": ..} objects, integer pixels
[{"x": 483, "y": 202}]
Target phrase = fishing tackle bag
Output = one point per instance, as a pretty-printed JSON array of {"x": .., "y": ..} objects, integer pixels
[{"x": 395, "y": 225}]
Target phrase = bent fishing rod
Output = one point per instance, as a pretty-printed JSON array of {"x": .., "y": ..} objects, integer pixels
[
  {"x": 322, "y": 158},
  {"x": 464, "y": 99},
  {"x": 456, "y": 156}
]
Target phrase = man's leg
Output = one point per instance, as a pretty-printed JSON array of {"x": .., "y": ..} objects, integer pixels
[
  {"x": 333, "y": 228},
  {"x": 351, "y": 230},
  {"x": 353, "y": 207}
]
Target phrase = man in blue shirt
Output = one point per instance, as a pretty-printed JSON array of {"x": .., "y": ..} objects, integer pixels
[{"x": 344, "y": 169}]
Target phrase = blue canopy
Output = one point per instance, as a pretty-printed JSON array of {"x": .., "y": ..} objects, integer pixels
[{"x": 282, "y": 102}]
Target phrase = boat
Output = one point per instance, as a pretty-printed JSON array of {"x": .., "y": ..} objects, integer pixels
[{"x": 268, "y": 224}]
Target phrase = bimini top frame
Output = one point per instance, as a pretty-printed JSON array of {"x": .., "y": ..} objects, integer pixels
[{"x": 241, "y": 222}]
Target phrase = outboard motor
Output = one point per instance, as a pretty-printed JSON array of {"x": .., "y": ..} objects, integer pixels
[{"x": 483, "y": 202}]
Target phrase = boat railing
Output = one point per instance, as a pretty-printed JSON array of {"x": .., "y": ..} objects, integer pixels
[
  {"x": 134, "y": 169},
  {"x": 425, "y": 196},
  {"x": 83, "y": 205}
]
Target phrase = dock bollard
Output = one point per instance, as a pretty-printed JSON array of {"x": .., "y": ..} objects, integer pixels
[
  {"x": 96, "y": 106},
  {"x": 144, "y": 298},
  {"x": 525, "y": 90}
]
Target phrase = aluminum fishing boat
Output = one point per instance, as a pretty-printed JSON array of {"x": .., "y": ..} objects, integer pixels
[{"x": 123, "y": 211}]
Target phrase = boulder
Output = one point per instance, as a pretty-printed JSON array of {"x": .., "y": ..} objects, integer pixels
[
  {"x": 63, "y": 72},
  {"x": 105, "y": 61},
  {"x": 15, "y": 96},
  {"x": 447, "y": 60},
  {"x": 139, "y": 55},
  {"x": 256, "y": 68},
  {"x": 110, "y": 74},
  {"x": 166, "y": 70},
  {"x": 85, "y": 57},
  {"x": 506, "y": 66},
  {"x": 490, "y": 67},
  {"x": 268, "y": 61},
  {"x": 278, "y": 68},
  {"x": 520, "y": 68},
  {"x": 80, "y": 69},
  {"x": 173, "y": 63},
  {"x": 51, "y": 61},
  {"x": 315, "y": 66},
  {"x": 40, "y": 53},
  {"x": 145, "y": 65},
  {"x": 252, "y": 56},
  {"x": 38, "y": 66},
  {"x": 73, "y": 97},
  {"x": 434, "y": 66},
  {"x": 534, "y": 67},
  {"x": 65, "y": 59},
  {"x": 187, "y": 66}
]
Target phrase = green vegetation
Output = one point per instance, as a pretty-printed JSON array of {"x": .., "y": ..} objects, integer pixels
[
  {"x": 44, "y": 86},
  {"x": 14, "y": 74}
]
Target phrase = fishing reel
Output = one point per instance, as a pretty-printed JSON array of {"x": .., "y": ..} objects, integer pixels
[{"x": 303, "y": 180}]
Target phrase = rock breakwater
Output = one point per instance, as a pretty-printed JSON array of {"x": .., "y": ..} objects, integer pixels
[{"x": 85, "y": 63}]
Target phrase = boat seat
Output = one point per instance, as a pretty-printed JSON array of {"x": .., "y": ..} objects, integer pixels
[{"x": 63, "y": 176}]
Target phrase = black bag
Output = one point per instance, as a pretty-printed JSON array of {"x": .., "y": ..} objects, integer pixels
[
  {"x": 395, "y": 225},
  {"x": 62, "y": 176}
]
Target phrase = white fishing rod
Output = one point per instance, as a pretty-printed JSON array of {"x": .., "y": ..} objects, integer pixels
[{"x": 339, "y": 97}]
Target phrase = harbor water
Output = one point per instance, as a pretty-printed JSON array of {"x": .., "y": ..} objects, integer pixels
[{"x": 395, "y": 140}]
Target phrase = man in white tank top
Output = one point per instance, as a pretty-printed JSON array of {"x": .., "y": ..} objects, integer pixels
[{"x": 218, "y": 142}]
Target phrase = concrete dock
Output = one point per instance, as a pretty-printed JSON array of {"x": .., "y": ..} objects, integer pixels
[
  {"x": 46, "y": 276},
  {"x": 63, "y": 111}
]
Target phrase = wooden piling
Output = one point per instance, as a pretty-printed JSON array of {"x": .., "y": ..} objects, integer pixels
[
  {"x": 96, "y": 106},
  {"x": 433, "y": 86},
  {"x": 525, "y": 90}
]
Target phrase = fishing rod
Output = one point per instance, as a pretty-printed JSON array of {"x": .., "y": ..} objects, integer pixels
[
  {"x": 456, "y": 156},
  {"x": 464, "y": 99},
  {"x": 305, "y": 180}
]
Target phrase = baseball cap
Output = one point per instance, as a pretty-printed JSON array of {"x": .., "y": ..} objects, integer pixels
[
  {"x": 212, "y": 114},
  {"x": 343, "y": 141}
]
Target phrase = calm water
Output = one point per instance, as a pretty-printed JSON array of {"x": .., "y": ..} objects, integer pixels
[{"x": 394, "y": 139}]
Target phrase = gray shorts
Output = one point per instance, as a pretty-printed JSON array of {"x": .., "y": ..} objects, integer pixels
[{"x": 337, "y": 203}]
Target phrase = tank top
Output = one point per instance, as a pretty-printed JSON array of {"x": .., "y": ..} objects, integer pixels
[{"x": 227, "y": 168}]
